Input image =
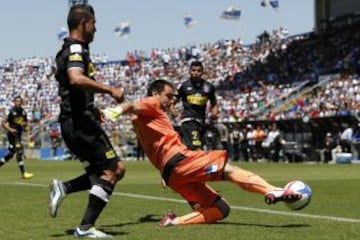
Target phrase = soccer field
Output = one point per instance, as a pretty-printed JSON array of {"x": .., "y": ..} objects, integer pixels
[{"x": 139, "y": 202}]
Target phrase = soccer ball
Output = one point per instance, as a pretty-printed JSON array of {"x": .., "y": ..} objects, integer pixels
[{"x": 299, "y": 187}]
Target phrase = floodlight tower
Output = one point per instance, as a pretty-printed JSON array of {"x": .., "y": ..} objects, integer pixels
[{"x": 74, "y": 2}]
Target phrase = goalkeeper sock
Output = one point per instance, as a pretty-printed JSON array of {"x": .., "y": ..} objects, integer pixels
[{"x": 201, "y": 215}]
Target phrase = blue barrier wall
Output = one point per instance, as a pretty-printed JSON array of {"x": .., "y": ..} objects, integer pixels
[
  {"x": 3, "y": 152},
  {"x": 46, "y": 153}
]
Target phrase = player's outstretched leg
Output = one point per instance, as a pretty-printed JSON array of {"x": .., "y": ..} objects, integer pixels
[{"x": 252, "y": 182}]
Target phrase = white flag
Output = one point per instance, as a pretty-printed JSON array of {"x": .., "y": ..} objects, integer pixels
[{"x": 122, "y": 30}]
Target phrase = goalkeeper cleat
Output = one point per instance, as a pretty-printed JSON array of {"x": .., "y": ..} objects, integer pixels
[
  {"x": 275, "y": 196},
  {"x": 27, "y": 175},
  {"x": 168, "y": 220},
  {"x": 57, "y": 194},
  {"x": 91, "y": 233},
  {"x": 112, "y": 114}
]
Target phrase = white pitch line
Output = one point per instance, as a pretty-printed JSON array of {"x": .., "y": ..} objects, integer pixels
[{"x": 260, "y": 210}]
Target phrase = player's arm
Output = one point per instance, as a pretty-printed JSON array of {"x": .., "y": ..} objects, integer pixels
[
  {"x": 130, "y": 107},
  {"x": 5, "y": 124},
  {"x": 214, "y": 110},
  {"x": 80, "y": 80},
  {"x": 114, "y": 113},
  {"x": 24, "y": 123}
]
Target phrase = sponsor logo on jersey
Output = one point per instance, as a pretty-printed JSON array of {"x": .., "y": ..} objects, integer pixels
[
  {"x": 110, "y": 154},
  {"x": 18, "y": 120},
  {"x": 197, "y": 99}
]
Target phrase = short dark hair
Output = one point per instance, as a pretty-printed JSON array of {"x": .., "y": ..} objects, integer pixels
[
  {"x": 197, "y": 64},
  {"x": 77, "y": 13},
  {"x": 158, "y": 86},
  {"x": 17, "y": 97}
]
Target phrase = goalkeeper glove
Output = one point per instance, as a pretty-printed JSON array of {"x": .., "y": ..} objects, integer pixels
[{"x": 113, "y": 113}]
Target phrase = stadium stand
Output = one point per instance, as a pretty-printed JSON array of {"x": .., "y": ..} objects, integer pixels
[{"x": 308, "y": 84}]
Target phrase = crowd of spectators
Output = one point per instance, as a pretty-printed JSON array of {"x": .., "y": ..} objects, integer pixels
[{"x": 263, "y": 75}]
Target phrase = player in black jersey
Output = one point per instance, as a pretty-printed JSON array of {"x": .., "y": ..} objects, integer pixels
[
  {"x": 14, "y": 123},
  {"x": 195, "y": 93},
  {"x": 80, "y": 123}
]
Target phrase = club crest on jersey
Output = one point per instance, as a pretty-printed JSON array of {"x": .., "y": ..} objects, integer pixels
[{"x": 206, "y": 88}]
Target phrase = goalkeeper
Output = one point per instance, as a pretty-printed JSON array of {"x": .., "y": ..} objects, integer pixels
[{"x": 187, "y": 171}]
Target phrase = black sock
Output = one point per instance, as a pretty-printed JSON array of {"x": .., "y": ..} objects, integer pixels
[
  {"x": 22, "y": 169},
  {"x": 20, "y": 163},
  {"x": 98, "y": 198},
  {"x": 78, "y": 184}
]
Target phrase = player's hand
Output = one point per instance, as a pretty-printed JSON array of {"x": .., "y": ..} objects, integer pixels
[
  {"x": 117, "y": 94},
  {"x": 13, "y": 131}
]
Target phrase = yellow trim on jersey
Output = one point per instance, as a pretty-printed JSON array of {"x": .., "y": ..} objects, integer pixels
[{"x": 91, "y": 70}]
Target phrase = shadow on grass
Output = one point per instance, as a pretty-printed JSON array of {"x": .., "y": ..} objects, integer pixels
[
  {"x": 70, "y": 232},
  {"x": 265, "y": 225},
  {"x": 156, "y": 218},
  {"x": 145, "y": 219}
]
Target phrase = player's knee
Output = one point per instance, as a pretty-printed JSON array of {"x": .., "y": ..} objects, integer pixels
[
  {"x": 225, "y": 210},
  {"x": 120, "y": 170},
  {"x": 115, "y": 172},
  {"x": 223, "y": 206}
]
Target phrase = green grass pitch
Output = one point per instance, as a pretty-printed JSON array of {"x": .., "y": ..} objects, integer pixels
[{"x": 139, "y": 202}]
